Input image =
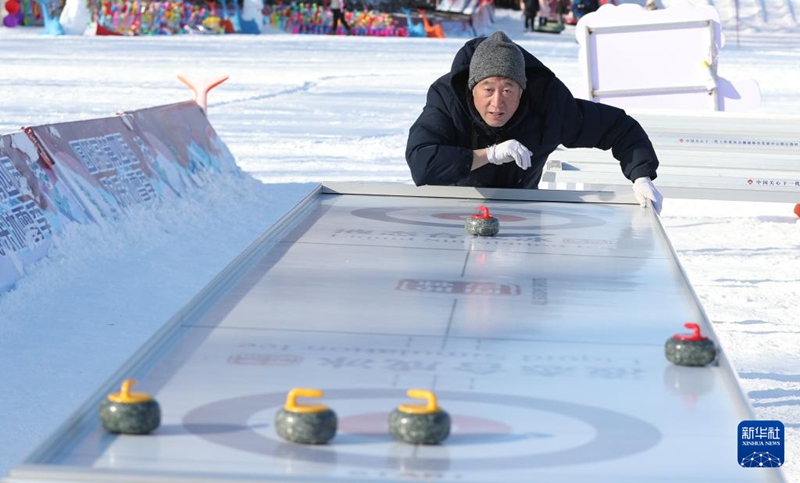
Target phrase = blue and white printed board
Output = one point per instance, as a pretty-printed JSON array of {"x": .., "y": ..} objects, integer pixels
[
  {"x": 138, "y": 157},
  {"x": 94, "y": 170},
  {"x": 545, "y": 344},
  {"x": 186, "y": 150},
  {"x": 105, "y": 163},
  {"x": 34, "y": 204}
]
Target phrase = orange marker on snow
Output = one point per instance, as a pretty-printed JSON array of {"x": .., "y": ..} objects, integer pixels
[{"x": 201, "y": 89}]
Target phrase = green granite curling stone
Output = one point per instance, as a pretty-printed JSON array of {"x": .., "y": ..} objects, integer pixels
[
  {"x": 482, "y": 224},
  {"x": 130, "y": 412},
  {"x": 420, "y": 423},
  {"x": 690, "y": 349},
  {"x": 305, "y": 424}
]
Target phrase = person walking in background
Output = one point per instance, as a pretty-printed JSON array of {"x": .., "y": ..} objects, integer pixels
[
  {"x": 530, "y": 9},
  {"x": 493, "y": 120},
  {"x": 337, "y": 9}
]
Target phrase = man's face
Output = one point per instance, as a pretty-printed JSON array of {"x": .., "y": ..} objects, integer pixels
[{"x": 496, "y": 99}]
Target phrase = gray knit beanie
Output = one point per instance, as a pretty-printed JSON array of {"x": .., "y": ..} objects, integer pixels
[{"x": 497, "y": 56}]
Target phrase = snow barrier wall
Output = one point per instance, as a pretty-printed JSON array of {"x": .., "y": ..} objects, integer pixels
[{"x": 93, "y": 171}]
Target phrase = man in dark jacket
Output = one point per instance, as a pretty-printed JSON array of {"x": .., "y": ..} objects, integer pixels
[{"x": 496, "y": 117}]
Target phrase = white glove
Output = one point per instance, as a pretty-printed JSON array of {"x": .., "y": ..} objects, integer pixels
[
  {"x": 507, "y": 151},
  {"x": 644, "y": 190}
]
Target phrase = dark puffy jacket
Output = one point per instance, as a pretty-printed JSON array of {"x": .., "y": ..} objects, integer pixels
[{"x": 441, "y": 141}]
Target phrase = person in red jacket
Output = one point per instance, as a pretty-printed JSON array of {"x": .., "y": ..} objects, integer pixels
[{"x": 493, "y": 120}]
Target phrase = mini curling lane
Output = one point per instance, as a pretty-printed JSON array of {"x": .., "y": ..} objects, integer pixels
[{"x": 551, "y": 347}]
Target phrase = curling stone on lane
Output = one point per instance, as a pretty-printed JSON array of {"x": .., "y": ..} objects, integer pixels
[
  {"x": 305, "y": 424},
  {"x": 420, "y": 423},
  {"x": 482, "y": 224},
  {"x": 690, "y": 349},
  {"x": 130, "y": 412}
]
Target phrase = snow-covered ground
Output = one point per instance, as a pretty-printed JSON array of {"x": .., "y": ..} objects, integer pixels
[{"x": 302, "y": 109}]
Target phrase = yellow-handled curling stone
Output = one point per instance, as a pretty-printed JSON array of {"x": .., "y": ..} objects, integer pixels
[
  {"x": 130, "y": 412},
  {"x": 482, "y": 224},
  {"x": 305, "y": 424},
  {"x": 420, "y": 423},
  {"x": 690, "y": 349}
]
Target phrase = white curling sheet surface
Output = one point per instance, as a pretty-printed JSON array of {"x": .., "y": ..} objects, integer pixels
[{"x": 545, "y": 344}]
